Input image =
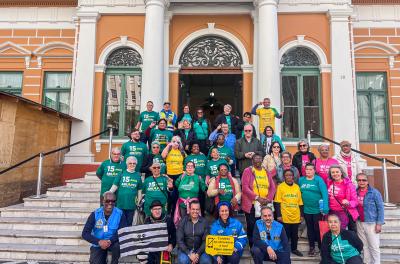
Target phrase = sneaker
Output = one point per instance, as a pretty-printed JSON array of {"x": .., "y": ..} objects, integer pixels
[
  {"x": 311, "y": 253},
  {"x": 297, "y": 253}
]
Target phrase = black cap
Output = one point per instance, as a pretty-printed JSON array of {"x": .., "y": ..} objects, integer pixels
[
  {"x": 168, "y": 103},
  {"x": 155, "y": 203}
]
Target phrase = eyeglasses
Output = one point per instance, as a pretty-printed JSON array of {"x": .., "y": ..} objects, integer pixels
[
  {"x": 156, "y": 168},
  {"x": 302, "y": 146},
  {"x": 276, "y": 147},
  {"x": 109, "y": 201},
  {"x": 362, "y": 180},
  {"x": 131, "y": 163},
  {"x": 248, "y": 131},
  {"x": 346, "y": 145},
  {"x": 156, "y": 147},
  {"x": 285, "y": 157},
  {"x": 199, "y": 112}
]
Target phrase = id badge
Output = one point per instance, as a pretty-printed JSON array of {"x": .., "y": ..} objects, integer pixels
[{"x": 105, "y": 228}]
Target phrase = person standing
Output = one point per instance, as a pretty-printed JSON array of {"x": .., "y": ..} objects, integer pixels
[
  {"x": 145, "y": 119},
  {"x": 227, "y": 118},
  {"x": 159, "y": 134},
  {"x": 266, "y": 113},
  {"x": 258, "y": 189},
  {"x": 213, "y": 165},
  {"x": 241, "y": 123},
  {"x": 289, "y": 209},
  {"x": 351, "y": 163},
  {"x": 270, "y": 240},
  {"x": 186, "y": 115},
  {"x": 273, "y": 158},
  {"x": 324, "y": 162},
  {"x": 286, "y": 164},
  {"x": 167, "y": 114},
  {"x": 246, "y": 147},
  {"x": 154, "y": 157},
  {"x": 371, "y": 210},
  {"x": 191, "y": 237},
  {"x": 135, "y": 148},
  {"x": 303, "y": 156},
  {"x": 186, "y": 133},
  {"x": 315, "y": 198},
  {"x": 269, "y": 136},
  {"x": 109, "y": 170},
  {"x": 202, "y": 129},
  {"x": 101, "y": 230},
  {"x": 230, "y": 139}
]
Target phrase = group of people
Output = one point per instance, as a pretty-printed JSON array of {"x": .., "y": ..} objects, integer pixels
[{"x": 198, "y": 177}]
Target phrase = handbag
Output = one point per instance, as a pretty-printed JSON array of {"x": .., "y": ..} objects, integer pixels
[
  {"x": 352, "y": 223},
  {"x": 139, "y": 216},
  {"x": 323, "y": 227}
]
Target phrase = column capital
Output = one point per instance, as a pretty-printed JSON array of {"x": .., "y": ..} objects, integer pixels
[
  {"x": 88, "y": 17},
  {"x": 260, "y": 3},
  {"x": 162, "y": 3},
  {"x": 340, "y": 15}
]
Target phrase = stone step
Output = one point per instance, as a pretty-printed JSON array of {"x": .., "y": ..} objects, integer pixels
[
  {"x": 390, "y": 246},
  {"x": 91, "y": 176},
  {"x": 68, "y": 192},
  {"x": 42, "y": 237},
  {"x": 83, "y": 202},
  {"x": 392, "y": 221},
  {"x": 390, "y": 258},
  {"x": 84, "y": 183},
  {"x": 45, "y": 224},
  {"x": 20, "y": 210},
  {"x": 390, "y": 232}
]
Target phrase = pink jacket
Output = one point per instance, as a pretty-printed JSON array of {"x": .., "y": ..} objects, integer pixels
[
  {"x": 248, "y": 196},
  {"x": 351, "y": 196}
]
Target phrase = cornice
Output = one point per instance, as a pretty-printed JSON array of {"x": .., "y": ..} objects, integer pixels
[{"x": 38, "y": 3}]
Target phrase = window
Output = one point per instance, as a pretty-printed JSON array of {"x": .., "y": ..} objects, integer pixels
[
  {"x": 122, "y": 91},
  {"x": 57, "y": 88},
  {"x": 373, "y": 120},
  {"x": 11, "y": 82},
  {"x": 301, "y": 93}
]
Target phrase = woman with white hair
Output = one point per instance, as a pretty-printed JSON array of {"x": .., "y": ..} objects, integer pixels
[
  {"x": 129, "y": 185},
  {"x": 303, "y": 156},
  {"x": 174, "y": 155},
  {"x": 324, "y": 162}
]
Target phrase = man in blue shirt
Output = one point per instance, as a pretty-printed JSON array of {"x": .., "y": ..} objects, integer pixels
[
  {"x": 101, "y": 230},
  {"x": 270, "y": 240}
]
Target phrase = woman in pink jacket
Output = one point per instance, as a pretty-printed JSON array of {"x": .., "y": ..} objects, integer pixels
[
  {"x": 342, "y": 197},
  {"x": 257, "y": 187}
]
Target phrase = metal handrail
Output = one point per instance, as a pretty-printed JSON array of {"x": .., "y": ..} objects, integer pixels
[
  {"x": 41, "y": 156},
  {"x": 383, "y": 160}
]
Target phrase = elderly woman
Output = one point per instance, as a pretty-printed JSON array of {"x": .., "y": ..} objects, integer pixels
[
  {"x": 156, "y": 188},
  {"x": 303, "y": 156},
  {"x": 129, "y": 185},
  {"x": 340, "y": 245},
  {"x": 225, "y": 188},
  {"x": 174, "y": 155},
  {"x": 343, "y": 199},
  {"x": 273, "y": 159},
  {"x": 324, "y": 162},
  {"x": 154, "y": 157},
  {"x": 269, "y": 136}
]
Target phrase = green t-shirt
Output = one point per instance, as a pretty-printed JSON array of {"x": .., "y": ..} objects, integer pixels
[
  {"x": 311, "y": 192},
  {"x": 129, "y": 183},
  {"x": 342, "y": 250},
  {"x": 146, "y": 118},
  {"x": 212, "y": 167},
  {"x": 200, "y": 161},
  {"x": 189, "y": 187},
  {"x": 225, "y": 184},
  {"x": 158, "y": 159},
  {"x": 200, "y": 128},
  {"x": 223, "y": 152},
  {"x": 153, "y": 192},
  {"x": 228, "y": 121},
  {"x": 136, "y": 149},
  {"x": 108, "y": 171},
  {"x": 186, "y": 117},
  {"x": 162, "y": 136}
]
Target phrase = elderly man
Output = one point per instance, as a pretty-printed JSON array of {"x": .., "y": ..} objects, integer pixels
[
  {"x": 246, "y": 147},
  {"x": 101, "y": 230},
  {"x": 227, "y": 118},
  {"x": 371, "y": 210},
  {"x": 266, "y": 113},
  {"x": 350, "y": 162},
  {"x": 135, "y": 148},
  {"x": 270, "y": 240},
  {"x": 191, "y": 236},
  {"x": 167, "y": 114},
  {"x": 110, "y": 169}
]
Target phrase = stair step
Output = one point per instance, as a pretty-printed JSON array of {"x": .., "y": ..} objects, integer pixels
[
  {"x": 45, "y": 224},
  {"x": 42, "y": 237},
  {"x": 84, "y": 183},
  {"x": 390, "y": 246},
  {"x": 390, "y": 232},
  {"x": 83, "y": 202},
  {"x": 67, "y": 192},
  {"x": 20, "y": 210}
]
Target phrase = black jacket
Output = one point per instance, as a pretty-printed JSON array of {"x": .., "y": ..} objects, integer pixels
[
  {"x": 297, "y": 159},
  {"x": 191, "y": 236},
  {"x": 221, "y": 118},
  {"x": 350, "y": 236},
  {"x": 170, "y": 227},
  {"x": 242, "y": 147},
  {"x": 185, "y": 141}
]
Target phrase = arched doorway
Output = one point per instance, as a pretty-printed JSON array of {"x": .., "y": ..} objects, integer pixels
[{"x": 211, "y": 76}]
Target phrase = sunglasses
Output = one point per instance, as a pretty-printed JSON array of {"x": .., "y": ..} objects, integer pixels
[
  {"x": 346, "y": 145},
  {"x": 276, "y": 147},
  {"x": 362, "y": 180},
  {"x": 248, "y": 131},
  {"x": 302, "y": 146},
  {"x": 199, "y": 112},
  {"x": 156, "y": 147},
  {"x": 156, "y": 168},
  {"x": 109, "y": 201}
]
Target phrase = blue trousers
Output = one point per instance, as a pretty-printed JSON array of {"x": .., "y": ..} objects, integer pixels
[
  {"x": 260, "y": 255},
  {"x": 99, "y": 256},
  {"x": 183, "y": 258},
  {"x": 234, "y": 259}
]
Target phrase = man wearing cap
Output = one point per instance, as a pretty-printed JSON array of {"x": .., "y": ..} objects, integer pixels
[
  {"x": 228, "y": 226},
  {"x": 350, "y": 162},
  {"x": 101, "y": 230},
  {"x": 167, "y": 114}
]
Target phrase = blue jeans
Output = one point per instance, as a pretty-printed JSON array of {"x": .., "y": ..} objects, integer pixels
[{"x": 183, "y": 258}]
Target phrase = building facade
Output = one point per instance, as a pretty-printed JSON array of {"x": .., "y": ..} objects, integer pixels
[{"x": 331, "y": 65}]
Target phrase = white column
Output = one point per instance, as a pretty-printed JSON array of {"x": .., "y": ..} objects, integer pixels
[
  {"x": 268, "y": 76},
  {"x": 167, "y": 20},
  {"x": 153, "y": 57},
  {"x": 83, "y": 89},
  {"x": 343, "y": 97}
]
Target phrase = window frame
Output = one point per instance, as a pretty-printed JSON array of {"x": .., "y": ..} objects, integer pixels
[
  {"x": 13, "y": 90},
  {"x": 56, "y": 90},
  {"x": 300, "y": 72},
  {"x": 117, "y": 71},
  {"x": 369, "y": 93}
]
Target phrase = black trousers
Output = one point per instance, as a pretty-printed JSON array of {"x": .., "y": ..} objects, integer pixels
[
  {"x": 173, "y": 197},
  {"x": 355, "y": 260},
  {"x": 233, "y": 259},
  {"x": 292, "y": 232},
  {"x": 312, "y": 223},
  {"x": 250, "y": 223},
  {"x": 129, "y": 216},
  {"x": 203, "y": 146},
  {"x": 99, "y": 256}
]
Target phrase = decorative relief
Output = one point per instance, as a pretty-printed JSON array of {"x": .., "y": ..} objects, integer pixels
[
  {"x": 124, "y": 57},
  {"x": 300, "y": 56}
]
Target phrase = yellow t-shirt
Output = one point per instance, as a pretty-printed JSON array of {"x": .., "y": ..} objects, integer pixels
[
  {"x": 290, "y": 199},
  {"x": 267, "y": 117},
  {"x": 262, "y": 181},
  {"x": 174, "y": 162}
]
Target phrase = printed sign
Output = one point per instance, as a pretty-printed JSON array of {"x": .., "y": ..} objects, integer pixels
[{"x": 219, "y": 245}]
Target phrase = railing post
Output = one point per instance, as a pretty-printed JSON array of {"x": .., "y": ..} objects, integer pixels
[
  {"x": 385, "y": 181},
  {"x": 309, "y": 138},
  {"x": 39, "y": 179},
  {"x": 110, "y": 143}
]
